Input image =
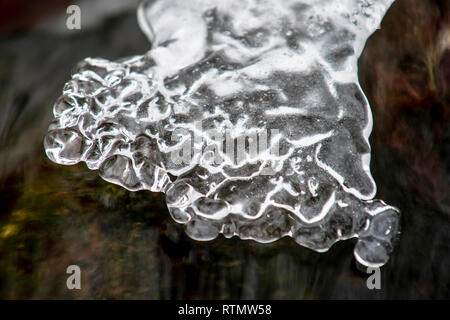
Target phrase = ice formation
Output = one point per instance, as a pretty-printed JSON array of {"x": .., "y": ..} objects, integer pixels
[{"x": 248, "y": 115}]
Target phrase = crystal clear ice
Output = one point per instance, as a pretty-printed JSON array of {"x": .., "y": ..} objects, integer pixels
[{"x": 279, "y": 75}]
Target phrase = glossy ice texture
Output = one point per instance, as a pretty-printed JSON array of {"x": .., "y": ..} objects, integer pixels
[{"x": 264, "y": 98}]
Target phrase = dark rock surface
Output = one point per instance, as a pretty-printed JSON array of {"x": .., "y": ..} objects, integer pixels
[{"x": 127, "y": 245}]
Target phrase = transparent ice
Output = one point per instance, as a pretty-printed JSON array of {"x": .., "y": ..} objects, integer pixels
[{"x": 240, "y": 68}]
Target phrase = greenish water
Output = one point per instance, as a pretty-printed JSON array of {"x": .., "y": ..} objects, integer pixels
[{"x": 128, "y": 247}]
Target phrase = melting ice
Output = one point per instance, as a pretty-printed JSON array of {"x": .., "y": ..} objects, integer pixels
[{"x": 262, "y": 76}]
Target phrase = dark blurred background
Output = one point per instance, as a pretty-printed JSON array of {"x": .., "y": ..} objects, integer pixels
[{"x": 126, "y": 244}]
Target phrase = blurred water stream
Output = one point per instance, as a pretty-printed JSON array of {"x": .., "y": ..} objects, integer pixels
[{"x": 127, "y": 245}]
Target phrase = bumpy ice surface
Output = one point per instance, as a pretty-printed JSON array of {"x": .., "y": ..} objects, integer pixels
[{"x": 261, "y": 101}]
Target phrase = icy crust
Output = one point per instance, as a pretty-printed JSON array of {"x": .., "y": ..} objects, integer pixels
[{"x": 223, "y": 77}]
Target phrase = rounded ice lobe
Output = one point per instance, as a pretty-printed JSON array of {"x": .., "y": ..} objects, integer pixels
[{"x": 248, "y": 115}]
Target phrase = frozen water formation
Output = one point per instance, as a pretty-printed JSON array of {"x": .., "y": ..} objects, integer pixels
[{"x": 278, "y": 75}]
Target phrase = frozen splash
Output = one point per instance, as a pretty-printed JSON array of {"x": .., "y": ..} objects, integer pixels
[{"x": 228, "y": 82}]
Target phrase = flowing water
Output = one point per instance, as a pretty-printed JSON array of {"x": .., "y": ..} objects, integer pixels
[{"x": 126, "y": 243}]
